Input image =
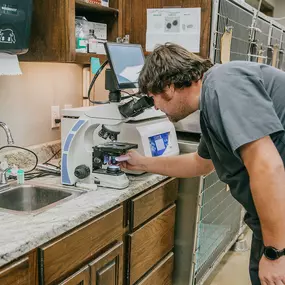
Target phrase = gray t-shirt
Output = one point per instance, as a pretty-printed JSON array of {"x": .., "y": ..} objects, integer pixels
[{"x": 241, "y": 102}]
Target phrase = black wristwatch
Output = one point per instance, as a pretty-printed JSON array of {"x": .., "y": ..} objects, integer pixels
[{"x": 272, "y": 253}]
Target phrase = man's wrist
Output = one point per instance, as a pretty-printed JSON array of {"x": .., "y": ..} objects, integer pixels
[{"x": 145, "y": 163}]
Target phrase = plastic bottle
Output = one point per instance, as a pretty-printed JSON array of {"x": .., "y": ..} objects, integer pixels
[
  {"x": 20, "y": 176},
  {"x": 92, "y": 42}
]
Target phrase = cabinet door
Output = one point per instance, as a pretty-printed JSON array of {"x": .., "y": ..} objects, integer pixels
[
  {"x": 107, "y": 269},
  {"x": 16, "y": 273},
  {"x": 82, "y": 277},
  {"x": 150, "y": 243}
]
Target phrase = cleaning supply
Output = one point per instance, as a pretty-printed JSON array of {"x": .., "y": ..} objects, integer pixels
[{"x": 20, "y": 176}]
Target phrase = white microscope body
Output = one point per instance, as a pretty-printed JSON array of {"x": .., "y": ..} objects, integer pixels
[{"x": 87, "y": 127}]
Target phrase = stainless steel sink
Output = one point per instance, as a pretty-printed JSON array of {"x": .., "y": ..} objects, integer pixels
[{"x": 34, "y": 198}]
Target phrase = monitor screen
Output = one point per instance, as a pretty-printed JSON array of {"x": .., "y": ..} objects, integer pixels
[{"x": 126, "y": 61}]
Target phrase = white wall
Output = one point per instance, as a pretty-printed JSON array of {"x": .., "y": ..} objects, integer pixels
[
  {"x": 25, "y": 100},
  {"x": 279, "y": 10}
]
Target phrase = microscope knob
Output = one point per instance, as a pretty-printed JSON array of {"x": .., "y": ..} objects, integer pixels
[{"x": 82, "y": 171}]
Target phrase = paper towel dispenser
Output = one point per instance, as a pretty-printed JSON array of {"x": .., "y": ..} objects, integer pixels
[{"x": 15, "y": 25}]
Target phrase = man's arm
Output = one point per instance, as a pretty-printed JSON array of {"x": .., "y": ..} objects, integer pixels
[
  {"x": 181, "y": 166},
  {"x": 267, "y": 181}
]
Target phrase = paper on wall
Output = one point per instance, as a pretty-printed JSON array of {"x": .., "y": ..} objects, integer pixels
[
  {"x": 180, "y": 25},
  {"x": 9, "y": 64}
]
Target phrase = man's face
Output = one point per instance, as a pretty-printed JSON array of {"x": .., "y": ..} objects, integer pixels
[{"x": 175, "y": 103}]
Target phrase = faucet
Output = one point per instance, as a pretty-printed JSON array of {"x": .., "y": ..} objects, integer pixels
[
  {"x": 8, "y": 133},
  {"x": 3, "y": 177}
]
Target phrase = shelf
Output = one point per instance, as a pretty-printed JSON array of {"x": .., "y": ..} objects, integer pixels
[
  {"x": 85, "y": 58},
  {"x": 80, "y": 4}
]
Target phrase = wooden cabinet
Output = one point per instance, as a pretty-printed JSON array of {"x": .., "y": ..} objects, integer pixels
[
  {"x": 16, "y": 273},
  {"x": 135, "y": 19},
  {"x": 59, "y": 258},
  {"x": 161, "y": 274},
  {"x": 153, "y": 201},
  {"x": 95, "y": 253},
  {"x": 150, "y": 243},
  {"x": 108, "y": 268},
  {"x": 53, "y": 28},
  {"x": 82, "y": 277}
]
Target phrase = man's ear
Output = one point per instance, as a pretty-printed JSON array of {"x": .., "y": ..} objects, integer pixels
[{"x": 169, "y": 92}]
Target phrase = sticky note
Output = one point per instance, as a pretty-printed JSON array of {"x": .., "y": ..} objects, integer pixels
[{"x": 95, "y": 64}]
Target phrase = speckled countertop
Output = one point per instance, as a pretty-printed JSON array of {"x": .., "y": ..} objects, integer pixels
[{"x": 22, "y": 233}]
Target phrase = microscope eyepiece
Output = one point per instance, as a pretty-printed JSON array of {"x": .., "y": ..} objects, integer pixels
[{"x": 136, "y": 107}]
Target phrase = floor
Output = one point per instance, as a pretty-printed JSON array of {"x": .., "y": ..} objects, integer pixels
[{"x": 233, "y": 269}]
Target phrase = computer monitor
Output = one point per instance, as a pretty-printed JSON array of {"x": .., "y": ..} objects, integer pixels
[{"x": 126, "y": 61}]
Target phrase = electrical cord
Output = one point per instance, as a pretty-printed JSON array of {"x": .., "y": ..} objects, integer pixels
[
  {"x": 127, "y": 93},
  {"x": 92, "y": 84},
  {"x": 54, "y": 155},
  {"x": 23, "y": 148}
]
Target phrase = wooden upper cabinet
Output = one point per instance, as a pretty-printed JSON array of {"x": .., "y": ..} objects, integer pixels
[
  {"x": 53, "y": 28},
  {"x": 135, "y": 19}
]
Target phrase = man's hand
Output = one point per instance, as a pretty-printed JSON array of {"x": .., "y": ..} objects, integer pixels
[
  {"x": 180, "y": 166},
  {"x": 267, "y": 181},
  {"x": 135, "y": 162},
  {"x": 272, "y": 272}
]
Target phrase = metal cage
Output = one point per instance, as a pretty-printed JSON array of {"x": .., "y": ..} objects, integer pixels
[
  {"x": 239, "y": 16},
  {"x": 208, "y": 224}
]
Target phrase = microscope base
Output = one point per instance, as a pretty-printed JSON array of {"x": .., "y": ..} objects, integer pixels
[{"x": 111, "y": 181}]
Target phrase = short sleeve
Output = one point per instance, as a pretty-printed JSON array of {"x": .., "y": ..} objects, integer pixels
[
  {"x": 241, "y": 111},
  {"x": 203, "y": 150}
]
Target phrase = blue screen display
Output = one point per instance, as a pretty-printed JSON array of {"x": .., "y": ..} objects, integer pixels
[{"x": 158, "y": 144}]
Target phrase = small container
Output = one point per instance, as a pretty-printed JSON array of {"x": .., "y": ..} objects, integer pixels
[
  {"x": 92, "y": 42},
  {"x": 20, "y": 176}
]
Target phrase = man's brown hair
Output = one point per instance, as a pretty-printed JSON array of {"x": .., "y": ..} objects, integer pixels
[{"x": 171, "y": 64}]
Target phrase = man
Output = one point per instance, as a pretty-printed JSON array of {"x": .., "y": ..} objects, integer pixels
[{"x": 242, "y": 109}]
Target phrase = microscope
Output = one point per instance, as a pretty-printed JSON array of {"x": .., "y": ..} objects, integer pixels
[{"x": 93, "y": 138}]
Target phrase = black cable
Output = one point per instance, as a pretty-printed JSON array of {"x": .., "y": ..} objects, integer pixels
[
  {"x": 50, "y": 164},
  {"x": 23, "y": 148},
  {"x": 54, "y": 155},
  {"x": 92, "y": 84},
  {"x": 127, "y": 92}
]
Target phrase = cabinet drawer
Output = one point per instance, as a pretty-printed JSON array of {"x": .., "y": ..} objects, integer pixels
[
  {"x": 150, "y": 243},
  {"x": 161, "y": 274},
  {"x": 69, "y": 252},
  {"x": 82, "y": 277},
  {"x": 16, "y": 273},
  {"x": 152, "y": 202}
]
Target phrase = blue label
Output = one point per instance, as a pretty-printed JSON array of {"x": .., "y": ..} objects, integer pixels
[{"x": 158, "y": 144}]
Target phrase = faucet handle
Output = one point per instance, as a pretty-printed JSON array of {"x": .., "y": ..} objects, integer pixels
[{"x": 3, "y": 176}]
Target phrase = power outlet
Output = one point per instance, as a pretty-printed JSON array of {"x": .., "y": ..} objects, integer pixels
[{"x": 55, "y": 114}]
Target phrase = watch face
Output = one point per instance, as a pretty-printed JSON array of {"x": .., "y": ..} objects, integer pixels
[{"x": 271, "y": 253}]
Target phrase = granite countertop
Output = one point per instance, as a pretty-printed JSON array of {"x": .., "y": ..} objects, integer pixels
[{"x": 21, "y": 233}]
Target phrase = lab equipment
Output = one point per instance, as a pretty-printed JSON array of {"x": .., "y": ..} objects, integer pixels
[{"x": 94, "y": 137}]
